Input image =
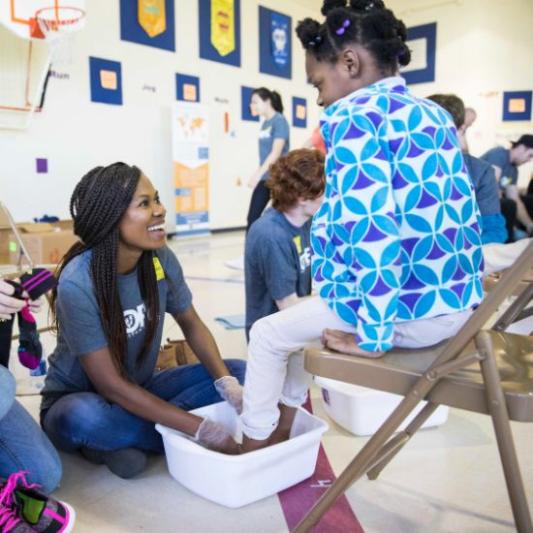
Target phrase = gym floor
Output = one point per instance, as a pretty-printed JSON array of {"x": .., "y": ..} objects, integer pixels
[{"x": 446, "y": 479}]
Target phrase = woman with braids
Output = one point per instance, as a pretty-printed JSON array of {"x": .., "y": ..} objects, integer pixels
[
  {"x": 396, "y": 244},
  {"x": 102, "y": 395}
]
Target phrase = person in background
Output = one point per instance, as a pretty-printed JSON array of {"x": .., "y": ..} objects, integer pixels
[
  {"x": 102, "y": 394},
  {"x": 482, "y": 175},
  {"x": 273, "y": 143},
  {"x": 470, "y": 118},
  {"x": 278, "y": 249},
  {"x": 316, "y": 141},
  {"x": 28, "y": 460},
  {"x": 506, "y": 163}
]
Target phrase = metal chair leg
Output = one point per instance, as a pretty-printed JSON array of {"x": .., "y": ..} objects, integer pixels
[
  {"x": 502, "y": 429},
  {"x": 410, "y": 430}
]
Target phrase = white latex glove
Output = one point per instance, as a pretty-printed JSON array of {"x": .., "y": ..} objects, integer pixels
[
  {"x": 216, "y": 437},
  {"x": 9, "y": 305},
  {"x": 231, "y": 390}
]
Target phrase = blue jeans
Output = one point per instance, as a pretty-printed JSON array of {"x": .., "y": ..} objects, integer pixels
[
  {"x": 86, "y": 419},
  {"x": 23, "y": 445}
]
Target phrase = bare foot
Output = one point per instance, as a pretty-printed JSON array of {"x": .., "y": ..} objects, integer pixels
[
  {"x": 340, "y": 341},
  {"x": 250, "y": 445},
  {"x": 283, "y": 431}
]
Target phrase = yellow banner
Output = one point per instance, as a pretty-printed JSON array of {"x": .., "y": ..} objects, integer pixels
[
  {"x": 223, "y": 26},
  {"x": 152, "y": 16}
]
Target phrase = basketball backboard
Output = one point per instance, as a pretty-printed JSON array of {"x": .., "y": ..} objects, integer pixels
[{"x": 20, "y": 16}]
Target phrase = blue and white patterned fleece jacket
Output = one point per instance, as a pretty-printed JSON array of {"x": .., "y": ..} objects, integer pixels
[{"x": 397, "y": 237}]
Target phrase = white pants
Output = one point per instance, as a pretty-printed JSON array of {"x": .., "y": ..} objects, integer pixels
[
  {"x": 501, "y": 256},
  {"x": 275, "y": 369}
]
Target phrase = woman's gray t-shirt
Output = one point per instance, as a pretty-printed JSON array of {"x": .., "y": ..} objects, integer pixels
[
  {"x": 276, "y": 127},
  {"x": 80, "y": 326}
]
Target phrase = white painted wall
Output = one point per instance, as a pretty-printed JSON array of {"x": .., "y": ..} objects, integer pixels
[
  {"x": 76, "y": 134},
  {"x": 484, "y": 47}
]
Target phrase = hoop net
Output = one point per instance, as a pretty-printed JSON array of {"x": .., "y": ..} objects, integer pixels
[
  {"x": 57, "y": 24},
  {"x": 57, "y": 21}
]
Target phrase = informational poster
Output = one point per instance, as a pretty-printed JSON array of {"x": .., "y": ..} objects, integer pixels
[
  {"x": 106, "y": 81},
  {"x": 187, "y": 88},
  {"x": 517, "y": 106},
  {"x": 299, "y": 112},
  {"x": 275, "y": 45},
  {"x": 190, "y": 154}
]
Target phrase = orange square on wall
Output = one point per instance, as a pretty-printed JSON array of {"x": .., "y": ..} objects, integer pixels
[
  {"x": 108, "y": 80},
  {"x": 517, "y": 105},
  {"x": 301, "y": 112},
  {"x": 189, "y": 92}
]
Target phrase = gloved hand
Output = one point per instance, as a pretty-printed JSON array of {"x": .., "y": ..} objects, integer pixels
[
  {"x": 216, "y": 437},
  {"x": 231, "y": 390}
]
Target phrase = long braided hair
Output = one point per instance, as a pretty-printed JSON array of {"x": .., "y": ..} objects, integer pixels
[{"x": 97, "y": 205}]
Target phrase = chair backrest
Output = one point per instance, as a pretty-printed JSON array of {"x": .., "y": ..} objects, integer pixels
[{"x": 508, "y": 282}]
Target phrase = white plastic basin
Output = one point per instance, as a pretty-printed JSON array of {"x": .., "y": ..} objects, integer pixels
[
  {"x": 237, "y": 480},
  {"x": 362, "y": 411}
]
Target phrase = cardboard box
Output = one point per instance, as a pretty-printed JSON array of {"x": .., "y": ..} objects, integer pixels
[
  {"x": 4, "y": 244},
  {"x": 45, "y": 243}
]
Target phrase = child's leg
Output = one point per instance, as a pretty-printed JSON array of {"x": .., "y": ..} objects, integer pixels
[
  {"x": 24, "y": 446},
  {"x": 275, "y": 372}
]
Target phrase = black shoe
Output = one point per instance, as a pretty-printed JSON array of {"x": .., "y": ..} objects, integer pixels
[{"x": 125, "y": 463}]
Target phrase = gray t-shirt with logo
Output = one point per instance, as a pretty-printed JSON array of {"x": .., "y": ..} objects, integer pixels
[
  {"x": 80, "y": 326},
  {"x": 499, "y": 157},
  {"x": 275, "y": 128},
  {"x": 277, "y": 263}
]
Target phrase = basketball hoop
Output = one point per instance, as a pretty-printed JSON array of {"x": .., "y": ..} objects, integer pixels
[{"x": 57, "y": 23}]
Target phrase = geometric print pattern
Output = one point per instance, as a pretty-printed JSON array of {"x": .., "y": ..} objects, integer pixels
[{"x": 398, "y": 235}]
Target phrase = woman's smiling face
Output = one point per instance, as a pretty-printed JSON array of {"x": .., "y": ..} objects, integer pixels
[{"x": 142, "y": 226}]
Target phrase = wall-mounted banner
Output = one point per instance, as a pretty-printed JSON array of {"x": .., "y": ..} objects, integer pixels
[
  {"x": 220, "y": 31},
  {"x": 246, "y": 110},
  {"x": 152, "y": 16},
  {"x": 106, "y": 81},
  {"x": 422, "y": 41},
  {"x": 187, "y": 88},
  {"x": 517, "y": 105},
  {"x": 148, "y": 22},
  {"x": 190, "y": 154},
  {"x": 275, "y": 43},
  {"x": 299, "y": 112}
]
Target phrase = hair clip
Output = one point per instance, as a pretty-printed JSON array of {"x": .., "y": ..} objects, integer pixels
[
  {"x": 315, "y": 41},
  {"x": 342, "y": 29},
  {"x": 370, "y": 6}
]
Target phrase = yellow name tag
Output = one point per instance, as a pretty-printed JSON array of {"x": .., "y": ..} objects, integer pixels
[
  {"x": 298, "y": 243},
  {"x": 159, "y": 272}
]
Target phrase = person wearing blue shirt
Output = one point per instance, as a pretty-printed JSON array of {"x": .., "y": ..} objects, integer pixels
[
  {"x": 273, "y": 143},
  {"x": 397, "y": 257},
  {"x": 278, "y": 249},
  {"x": 506, "y": 163},
  {"x": 482, "y": 175}
]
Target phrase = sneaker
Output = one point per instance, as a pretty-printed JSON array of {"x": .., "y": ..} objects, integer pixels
[
  {"x": 10, "y": 514},
  {"x": 33, "y": 510},
  {"x": 125, "y": 462}
]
